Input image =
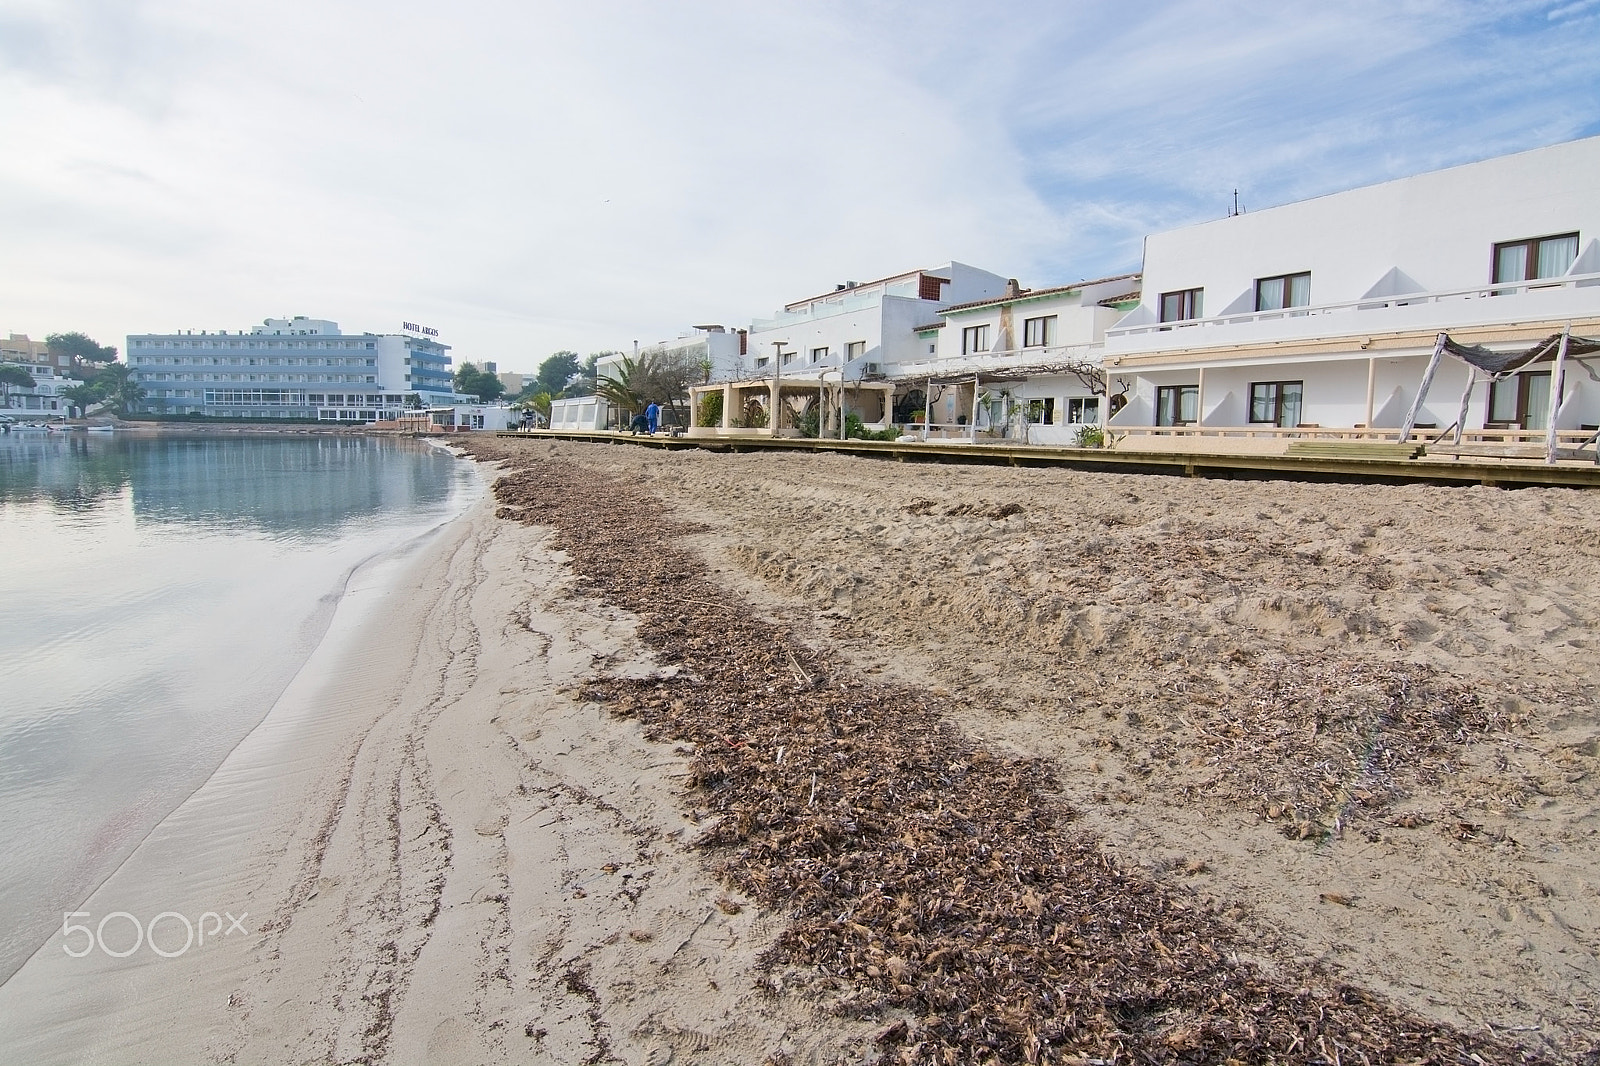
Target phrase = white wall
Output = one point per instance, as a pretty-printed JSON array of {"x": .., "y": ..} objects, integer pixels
[
  {"x": 1438, "y": 228},
  {"x": 864, "y": 324},
  {"x": 1076, "y": 324},
  {"x": 968, "y": 283}
]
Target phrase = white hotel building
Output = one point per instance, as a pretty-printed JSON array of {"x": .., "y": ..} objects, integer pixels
[
  {"x": 290, "y": 368},
  {"x": 1324, "y": 314}
]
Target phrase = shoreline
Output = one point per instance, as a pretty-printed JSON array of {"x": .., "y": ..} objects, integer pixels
[
  {"x": 436, "y": 852},
  {"x": 183, "y": 864},
  {"x": 121, "y": 742}
]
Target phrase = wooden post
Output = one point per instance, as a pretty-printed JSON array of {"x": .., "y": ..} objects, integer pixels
[
  {"x": 927, "y": 410},
  {"x": 1200, "y": 398},
  {"x": 777, "y": 388},
  {"x": 972, "y": 421},
  {"x": 727, "y": 405},
  {"x": 1372, "y": 384},
  {"x": 1466, "y": 395},
  {"x": 1557, "y": 380},
  {"x": 1422, "y": 389}
]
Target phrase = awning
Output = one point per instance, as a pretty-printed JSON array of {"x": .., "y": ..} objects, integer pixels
[{"x": 1501, "y": 363}]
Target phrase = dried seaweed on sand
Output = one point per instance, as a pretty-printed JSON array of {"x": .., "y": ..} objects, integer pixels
[{"x": 934, "y": 884}]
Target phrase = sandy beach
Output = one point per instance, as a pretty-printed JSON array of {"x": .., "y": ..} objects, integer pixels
[{"x": 697, "y": 757}]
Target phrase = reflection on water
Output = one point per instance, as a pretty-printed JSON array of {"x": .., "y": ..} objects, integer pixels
[
  {"x": 156, "y": 594},
  {"x": 299, "y": 485}
]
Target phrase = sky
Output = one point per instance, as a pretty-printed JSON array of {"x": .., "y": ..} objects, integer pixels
[{"x": 528, "y": 176}]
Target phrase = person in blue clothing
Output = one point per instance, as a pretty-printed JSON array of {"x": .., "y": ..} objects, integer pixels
[{"x": 652, "y": 415}]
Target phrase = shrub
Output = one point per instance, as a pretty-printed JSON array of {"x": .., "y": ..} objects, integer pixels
[
  {"x": 710, "y": 412},
  {"x": 1091, "y": 437}
]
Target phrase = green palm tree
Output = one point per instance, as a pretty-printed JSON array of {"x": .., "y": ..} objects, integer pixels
[
  {"x": 122, "y": 393},
  {"x": 625, "y": 386}
]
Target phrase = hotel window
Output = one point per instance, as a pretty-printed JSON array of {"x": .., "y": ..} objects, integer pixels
[
  {"x": 1177, "y": 405},
  {"x": 1042, "y": 412},
  {"x": 1521, "y": 401},
  {"x": 818, "y": 354},
  {"x": 1538, "y": 257},
  {"x": 1039, "y": 332},
  {"x": 974, "y": 339},
  {"x": 1081, "y": 409},
  {"x": 1184, "y": 304},
  {"x": 1275, "y": 402},
  {"x": 788, "y": 357},
  {"x": 1285, "y": 290},
  {"x": 762, "y": 361},
  {"x": 855, "y": 349}
]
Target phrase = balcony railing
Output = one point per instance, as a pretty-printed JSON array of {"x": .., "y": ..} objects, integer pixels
[{"x": 1477, "y": 292}]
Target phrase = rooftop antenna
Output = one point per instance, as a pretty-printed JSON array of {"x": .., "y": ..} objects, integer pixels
[{"x": 1237, "y": 210}]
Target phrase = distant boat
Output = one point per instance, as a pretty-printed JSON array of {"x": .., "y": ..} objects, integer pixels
[{"x": 101, "y": 429}]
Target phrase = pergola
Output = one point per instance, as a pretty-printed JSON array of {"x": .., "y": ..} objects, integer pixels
[
  {"x": 978, "y": 377},
  {"x": 1499, "y": 365},
  {"x": 794, "y": 393}
]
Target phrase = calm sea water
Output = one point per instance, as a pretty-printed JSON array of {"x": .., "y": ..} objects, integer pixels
[{"x": 156, "y": 595}]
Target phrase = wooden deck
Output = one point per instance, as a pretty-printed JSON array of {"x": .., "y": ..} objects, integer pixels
[{"x": 1340, "y": 462}]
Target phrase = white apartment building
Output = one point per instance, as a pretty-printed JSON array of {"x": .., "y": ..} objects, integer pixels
[
  {"x": 296, "y": 367},
  {"x": 836, "y": 350},
  {"x": 1025, "y": 365},
  {"x": 1325, "y": 313},
  {"x": 48, "y": 371},
  {"x": 864, "y": 328}
]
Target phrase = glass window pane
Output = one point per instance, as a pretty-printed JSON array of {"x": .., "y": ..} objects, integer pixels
[
  {"x": 1556, "y": 256},
  {"x": 1269, "y": 294},
  {"x": 1172, "y": 307},
  {"x": 1197, "y": 298},
  {"x": 1188, "y": 402},
  {"x": 1538, "y": 392},
  {"x": 1511, "y": 263},
  {"x": 1289, "y": 404},
  {"x": 1299, "y": 290},
  {"x": 1503, "y": 400},
  {"x": 1261, "y": 403}
]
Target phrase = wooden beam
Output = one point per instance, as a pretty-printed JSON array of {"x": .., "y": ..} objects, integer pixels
[
  {"x": 1422, "y": 389},
  {"x": 1557, "y": 380},
  {"x": 1466, "y": 396}
]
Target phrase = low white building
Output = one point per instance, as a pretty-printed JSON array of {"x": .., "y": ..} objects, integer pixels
[
  {"x": 296, "y": 367},
  {"x": 1324, "y": 313},
  {"x": 1024, "y": 366},
  {"x": 580, "y": 413}
]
